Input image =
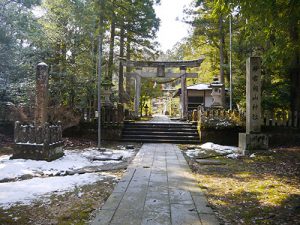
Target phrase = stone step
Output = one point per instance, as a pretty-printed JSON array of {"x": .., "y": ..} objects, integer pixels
[
  {"x": 166, "y": 133},
  {"x": 159, "y": 125},
  {"x": 177, "y": 141},
  {"x": 132, "y": 129},
  {"x": 171, "y": 137},
  {"x": 160, "y": 132}
]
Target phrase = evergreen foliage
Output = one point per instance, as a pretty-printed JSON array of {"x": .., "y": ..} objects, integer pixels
[
  {"x": 64, "y": 34},
  {"x": 269, "y": 29}
]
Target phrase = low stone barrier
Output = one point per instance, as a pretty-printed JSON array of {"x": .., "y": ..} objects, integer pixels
[
  {"x": 223, "y": 126},
  {"x": 38, "y": 142}
]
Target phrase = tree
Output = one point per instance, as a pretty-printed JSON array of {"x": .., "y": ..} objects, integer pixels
[
  {"x": 269, "y": 29},
  {"x": 71, "y": 29},
  {"x": 65, "y": 37},
  {"x": 17, "y": 59},
  {"x": 137, "y": 25}
]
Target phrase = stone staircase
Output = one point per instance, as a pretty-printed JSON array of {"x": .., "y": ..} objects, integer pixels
[{"x": 185, "y": 133}]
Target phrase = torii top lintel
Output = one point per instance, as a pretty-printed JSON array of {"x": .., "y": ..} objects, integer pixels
[{"x": 165, "y": 64}]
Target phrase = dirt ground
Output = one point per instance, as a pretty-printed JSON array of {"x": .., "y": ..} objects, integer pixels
[
  {"x": 74, "y": 207},
  {"x": 262, "y": 189}
]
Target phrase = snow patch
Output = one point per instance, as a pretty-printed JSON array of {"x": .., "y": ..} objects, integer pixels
[
  {"x": 209, "y": 146},
  {"x": 26, "y": 191},
  {"x": 72, "y": 160},
  {"x": 218, "y": 148}
]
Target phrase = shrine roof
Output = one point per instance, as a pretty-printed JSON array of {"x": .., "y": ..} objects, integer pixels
[{"x": 196, "y": 87}]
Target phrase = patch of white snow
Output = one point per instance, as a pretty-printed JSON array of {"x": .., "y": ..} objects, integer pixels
[
  {"x": 252, "y": 155},
  {"x": 209, "y": 146},
  {"x": 26, "y": 191},
  {"x": 218, "y": 148},
  {"x": 72, "y": 160}
]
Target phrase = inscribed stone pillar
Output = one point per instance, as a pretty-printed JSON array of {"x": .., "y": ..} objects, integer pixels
[
  {"x": 253, "y": 95},
  {"x": 137, "y": 95},
  {"x": 183, "y": 97},
  {"x": 253, "y": 140},
  {"x": 41, "y": 99}
]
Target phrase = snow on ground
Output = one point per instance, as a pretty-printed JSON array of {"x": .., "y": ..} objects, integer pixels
[
  {"x": 26, "y": 191},
  {"x": 72, "y": 160},
  {"x": 218, "y": 148},
  {"x": 209, "y": 146}
]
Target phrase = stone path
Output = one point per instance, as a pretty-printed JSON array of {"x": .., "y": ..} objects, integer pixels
[{"x": 158, "y": 189}]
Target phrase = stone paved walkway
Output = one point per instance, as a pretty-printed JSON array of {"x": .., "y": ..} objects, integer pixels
[{"x": 158, "y": 189}]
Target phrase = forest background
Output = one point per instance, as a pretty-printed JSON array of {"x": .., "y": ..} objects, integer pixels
[{"x": 64, "y": 34}]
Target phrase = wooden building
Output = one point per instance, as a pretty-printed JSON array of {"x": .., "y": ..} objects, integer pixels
[{"x": 198, "y": 94}]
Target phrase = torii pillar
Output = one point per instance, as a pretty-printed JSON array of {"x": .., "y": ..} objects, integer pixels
[
  {"x": 137, "y": 92},
  {"x": 183, "y": 96}
]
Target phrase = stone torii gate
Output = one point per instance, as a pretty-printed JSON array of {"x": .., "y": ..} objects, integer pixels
[{"x": 161, "y": 73}]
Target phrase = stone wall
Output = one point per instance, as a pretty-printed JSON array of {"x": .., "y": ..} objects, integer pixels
[
  {"x": 278, "y": 136},
  {"x": 109, "y": 131},
  {"x": 224, "y": 136}
]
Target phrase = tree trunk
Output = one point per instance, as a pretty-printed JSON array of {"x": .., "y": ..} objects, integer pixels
[
  {"x": 222, "y": 41},
  {"x": 128, "y": 70},
  {"x": 121, "y": 75},
  {"x": 111, "y": 50},
  {"x": 63, "y": 71},
  {"x": 295, "y": 69}
]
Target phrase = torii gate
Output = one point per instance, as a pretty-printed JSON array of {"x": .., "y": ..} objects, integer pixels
[{"x": 160, "y": 73}]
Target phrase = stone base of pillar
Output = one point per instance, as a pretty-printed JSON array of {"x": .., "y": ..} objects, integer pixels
[
  {"x": 38, "y": 142},
  {"x": 249, "y": 143},
  {"x": 38, "y": 151}
]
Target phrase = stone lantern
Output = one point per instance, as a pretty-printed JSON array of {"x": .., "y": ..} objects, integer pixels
[
  {"x": 216, "y": 93},
  {"x": 106, "y": 84}
]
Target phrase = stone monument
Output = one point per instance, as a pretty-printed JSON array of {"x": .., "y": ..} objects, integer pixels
[
  {"x": 41, "y": 140},
  {"x": 253, "y": 139}
]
